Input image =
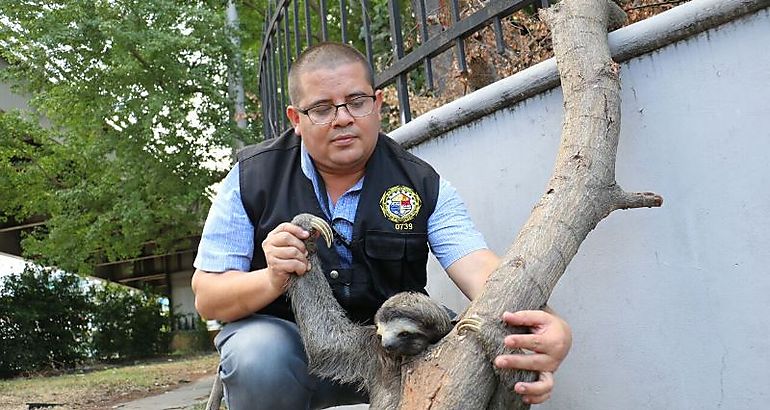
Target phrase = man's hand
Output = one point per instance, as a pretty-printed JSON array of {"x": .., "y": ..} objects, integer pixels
[
  {"x": 549, "y": 341},
  {"x": 285, "y": 253}
]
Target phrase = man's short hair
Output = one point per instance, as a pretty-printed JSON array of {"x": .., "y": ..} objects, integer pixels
[{"x": 325, "y": 55}]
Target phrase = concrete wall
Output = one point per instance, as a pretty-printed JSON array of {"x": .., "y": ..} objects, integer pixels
[
  {"x": 181, "y": 292},
  {"x": 669, "y": 306}
]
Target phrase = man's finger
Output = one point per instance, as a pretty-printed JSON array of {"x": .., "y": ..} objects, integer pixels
[
  {"x": 530, "y": 318},
  {"x": 535, "y": 362},
  {"x": 289, "y": 266},
  {"x": 533, "y": 342},
  {"x": 536, "y": 399},
  {"x": 542, "y": 387},
  {"x": 291, "y": 229}
]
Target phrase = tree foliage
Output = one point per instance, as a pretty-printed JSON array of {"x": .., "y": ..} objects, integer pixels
[{"x": 136, "y": 93}]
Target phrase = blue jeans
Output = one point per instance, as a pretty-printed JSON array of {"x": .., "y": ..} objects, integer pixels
[{"x": 263, "y": 366}]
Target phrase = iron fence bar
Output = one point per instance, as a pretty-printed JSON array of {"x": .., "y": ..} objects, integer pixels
[
  {"x": 269, "y": 96},
  {"x": 278, "y": 61},
  {"x": 499, "y": 41},
  {"x": 405, "y": 111},
  {"x": 287, "y": 53},
  {"x": 344, "y": 21},
  {"x": 274, "y": 95},
  {"x": 269, "y": 90},
  {"x": 308, "y": 24},
  {"x": 272, "y": 24},
  {"x": 264, "y": 85},
  {"x": 398, "y": 50},
  {"x": 367, "y": 31},
  {"x": 297, "y": 43},
  {"x": 277, "y": 45},
  {"x": 281, "y": 71},
  {"x": 324, "y": 31},
  {"x": 443, "y": 40},
  {"x": 265, "y": 104},
  {"x": 270, "y": 29},
  {"x": 459, "y": 43},
  {"x": 425, "y": 37},
  {"x": 286, "y": 41}
]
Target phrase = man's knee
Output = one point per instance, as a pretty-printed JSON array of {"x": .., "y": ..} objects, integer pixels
[{"x": 262, "y": 354}]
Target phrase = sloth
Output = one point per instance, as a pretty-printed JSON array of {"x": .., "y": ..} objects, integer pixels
[{"x": 367, "y": 356}]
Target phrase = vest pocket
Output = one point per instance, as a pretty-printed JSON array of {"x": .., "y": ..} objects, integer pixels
[
  {"x": 385, "y": 245},
  {"x": 397, "y": 261},
  {"x": 396, "y": 246}
]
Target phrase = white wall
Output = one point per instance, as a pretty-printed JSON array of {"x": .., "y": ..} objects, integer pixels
[{"x": 669, "y": 306}]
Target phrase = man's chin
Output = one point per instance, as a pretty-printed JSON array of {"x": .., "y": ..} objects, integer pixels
[{"x": 347, "y": 160}]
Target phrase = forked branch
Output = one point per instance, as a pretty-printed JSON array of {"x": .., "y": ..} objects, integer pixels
[{"x": 457, "y": 373}]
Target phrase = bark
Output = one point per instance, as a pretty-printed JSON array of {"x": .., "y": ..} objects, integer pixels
[
  {"x": 457, "y": 373},
  {"x": 235, "y": 84}
]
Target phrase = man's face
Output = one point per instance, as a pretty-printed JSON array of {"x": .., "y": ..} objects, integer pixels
[{"x": 345, "y": 144}]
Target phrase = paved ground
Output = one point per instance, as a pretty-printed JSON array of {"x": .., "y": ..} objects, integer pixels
[
  {"x": 183, "y": 398},
  {"x": 186, "y": 397}
]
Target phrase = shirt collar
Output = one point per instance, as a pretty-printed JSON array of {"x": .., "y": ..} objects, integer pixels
[{"x": 306, "y": 162}]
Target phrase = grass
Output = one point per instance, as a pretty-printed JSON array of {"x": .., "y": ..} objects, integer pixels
[{"x": 104, "y": 388}]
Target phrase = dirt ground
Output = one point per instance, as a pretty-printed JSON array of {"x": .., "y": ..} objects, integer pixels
[{"x": 101, "y": 389}]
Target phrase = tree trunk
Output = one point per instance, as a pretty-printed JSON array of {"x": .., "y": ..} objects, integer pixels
[
  {"x": 235, "y": 74},
  {"x": 457, "y": 373}
]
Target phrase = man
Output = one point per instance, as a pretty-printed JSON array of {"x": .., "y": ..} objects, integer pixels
[{"x": 385, "y": 205}]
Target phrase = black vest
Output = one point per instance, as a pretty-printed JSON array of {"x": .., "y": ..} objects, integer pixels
[{"x": 389, "y": 244}]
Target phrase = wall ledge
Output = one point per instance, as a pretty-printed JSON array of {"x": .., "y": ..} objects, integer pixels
[{"x": 626, "y": 43}]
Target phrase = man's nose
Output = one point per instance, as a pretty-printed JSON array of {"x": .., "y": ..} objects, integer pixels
[{"x": 343, "y": 116}]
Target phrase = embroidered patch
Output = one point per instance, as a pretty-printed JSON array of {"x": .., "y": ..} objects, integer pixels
[{"x": 400, "y": 204}]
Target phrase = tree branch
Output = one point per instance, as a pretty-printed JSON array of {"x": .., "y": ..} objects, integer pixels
[
  {"x": 629, "y": 200},
  {"x": 457, "y": 373}
]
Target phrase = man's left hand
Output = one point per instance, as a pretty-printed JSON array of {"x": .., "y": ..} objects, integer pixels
[{"x": 549, "y": 343}]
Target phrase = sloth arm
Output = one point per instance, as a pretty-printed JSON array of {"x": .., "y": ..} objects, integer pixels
[{"x": 336, "y": 347}]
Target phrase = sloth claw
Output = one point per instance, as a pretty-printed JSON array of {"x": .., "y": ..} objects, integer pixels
[
  {"x": 469, "y": 324},
  {"x": 314, "y": 224}
]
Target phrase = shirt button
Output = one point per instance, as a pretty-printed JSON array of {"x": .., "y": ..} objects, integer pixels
[{"x": 334, "y": 274}]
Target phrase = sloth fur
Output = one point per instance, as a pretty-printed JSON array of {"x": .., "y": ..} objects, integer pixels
[{"x": 367, "y": 356}]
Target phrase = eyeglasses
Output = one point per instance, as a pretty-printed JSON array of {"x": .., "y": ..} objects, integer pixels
[{"x": 358, "y": 107}]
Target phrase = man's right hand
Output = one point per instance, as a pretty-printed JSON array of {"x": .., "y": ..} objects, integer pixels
[
  {"x": 233, "y": 294},
  {"x": 285, "y": 253}
]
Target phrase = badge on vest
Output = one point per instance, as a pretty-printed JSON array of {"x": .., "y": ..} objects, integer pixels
[{"x": 400, "y": 204}]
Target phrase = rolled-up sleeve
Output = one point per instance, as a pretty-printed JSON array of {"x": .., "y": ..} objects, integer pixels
[
  {"x": 451, "y": 233},
  {"x": 227, "y": 241}
]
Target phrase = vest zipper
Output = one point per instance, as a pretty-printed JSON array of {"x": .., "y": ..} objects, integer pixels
[{"x": 346, "y": 291}]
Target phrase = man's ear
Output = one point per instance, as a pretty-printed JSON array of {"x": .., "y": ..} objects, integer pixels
[
  {"x": 293, "y": 115},
  {"x": 378, "y": 103}
]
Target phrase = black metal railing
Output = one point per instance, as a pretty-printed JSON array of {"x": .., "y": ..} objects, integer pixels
[{"x": 289, "y": 28}]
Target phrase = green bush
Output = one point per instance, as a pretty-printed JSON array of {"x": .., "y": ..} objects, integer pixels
[
  {"x": 128, "y": 323},
  {"x": 44, "y": 319},
  {"x": 55, "y": 320}
]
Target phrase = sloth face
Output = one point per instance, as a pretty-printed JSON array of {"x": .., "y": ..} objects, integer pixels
[{"x": 402, "y": 337}]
